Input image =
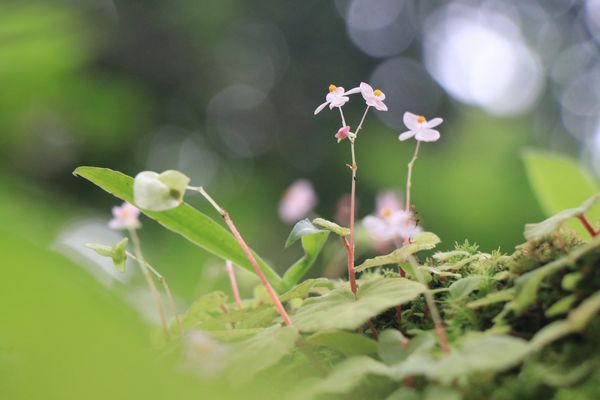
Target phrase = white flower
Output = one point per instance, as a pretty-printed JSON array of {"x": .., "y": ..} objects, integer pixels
[
  {"x": 420, "y": 128},
  {"x": 297, "y": 202},
  {"x": 204, "y": 355},
  {"x": 335, "y": 98},
  {"x": 390, "y": 222},
  {"x": 155, "y": 192},
  {"x": 125, "y": 217},
  {"x": 374, "y": 98}
]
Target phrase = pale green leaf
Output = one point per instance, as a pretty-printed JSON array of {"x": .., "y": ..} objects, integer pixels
[
  {"x": 118, "y": 252},
  {"x": 493, "y": 298},
  {"x": 305, "y": 287},
  {"x": 560, "y": 307},
  {"x": 184, "y": 220},
  {"x": 394, "y": 347},
  {"x": 422, "y": 241},
  {"x": 312, "y": 243},
  {"x": 559, "y": 183},
  {"x": 301, "y": 229},
  {"x": 339, "y": 309},
  {"x": 552, "y": 224},
  {"x": 262, "y": 351},
  {"x": 347, "y": 343},
  {"x": 463, "y": 287},
  {"x": 331, "y": 226}
]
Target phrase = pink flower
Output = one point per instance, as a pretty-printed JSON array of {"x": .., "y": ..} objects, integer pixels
[
  {"x": 420, "y": 128},
  {"x": 390, "y": 222},
  {"x": 374, "y": 98},
  {"x": 297, "y": 202},
  {"x": 342, "y": 133},
  {"x": 125, "y": 217},
  {"x": 335, "y": 98}
]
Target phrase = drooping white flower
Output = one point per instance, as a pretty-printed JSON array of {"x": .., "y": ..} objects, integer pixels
[
  {"x": 390, "y": 222},
  {"x": 159, "y": 192},
  {"x": 420, "y": 128},
  {"x": 125, "y": 216},
  {"x": 373, "y": 98},
  {"x": 204, "y": 355},
  {"x": 297, "y": 201},
  {"x": 335, "y": 98}
]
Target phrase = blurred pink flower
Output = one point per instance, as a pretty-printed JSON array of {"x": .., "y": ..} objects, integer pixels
[
  {"x": 298, "y": 201},
  {"x": 335, "y": 98},
  {"x": 420, "y": 128},
  {"x": 342, "y": 133},
  {"x": 125, "y": 217},
  {"x": 390, "y": 222},
  {"x": 374, "y": 98}
]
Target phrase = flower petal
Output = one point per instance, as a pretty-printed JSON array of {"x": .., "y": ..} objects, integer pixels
[
  {"x": 321, "y": 107},
  {"x": 380, "y": 105},
  {"x": 433, "y": 123},
  {"x": 410, "y": 120},
  {"x": 366, "y": 89},
  {"x": 427, "y": 135},
  {"x": 406, "y": 135},
  {"x": 353, "y": 90}
]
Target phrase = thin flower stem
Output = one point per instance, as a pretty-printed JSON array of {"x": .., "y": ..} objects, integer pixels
[
  {"x": 351, "y": 273},
  {"x": 372, "y": 329},
  {"x": 587, "y": 225},
  {"x": 165, "y": 286},
  {"x": 362, "y": 120},
  {"x": 233, "y": 282},
  {"x": 143, "y": 265},
  {"x": 409, "y": 176},
  {"x": 342, "y": 115},
  {"x": 433, "y": 310},
  {"x": 248, "y": 253}
]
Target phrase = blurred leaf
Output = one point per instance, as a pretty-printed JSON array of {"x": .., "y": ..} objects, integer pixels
[
  {"x": 404, "y": 393},
  {"x": 422, "y": 241},
  {"x": 262, "y": 351},
  {"x": 527, "y": 285},
  {"x": 184, "y": 220},
  {"x": 441, "y": 393},
  {"x": 562, "y": 306},
  {"x": 493, "y": 298},
  {"x": 552, "y": 224},
  {"x": 331, "y": 226},
  {"x": 463, "y": 287},
  {"x": 304, "y": 288},
  {"x": 559, "y": 183},
  {"x": 339, "y": 309},
  {"x": 577, "y": 320},
  {"x": 347, "y": 343},
  {"x": 394, "y": 347}
]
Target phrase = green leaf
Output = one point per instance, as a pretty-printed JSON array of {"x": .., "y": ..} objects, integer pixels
[
  {"x": 305, "y": 287},
  {"x": 404, "y": 393},
  {"x": 577, "y": 320},
  {"x": 493, "y": 298},
  {"x": 560, "y": 307},
  {"x": 394, "y": 347},
  {"x": 527, "y": 285},
  {"x": 262, "y": 351},
  {"x": 301, "y": 229},
  {"x": 347, "y": 343},
  {"x": 184, "y": 220},
  {"x": 331, "y": 226},
  {"x": 313, "y": 240},
  {"x": 339, "y": 309},
  {"x": 552, "y": 224},
  {"x": 559, "y": 183},
  {"x": 463, "y": 287},
  {"x": 422, "y": 241}
]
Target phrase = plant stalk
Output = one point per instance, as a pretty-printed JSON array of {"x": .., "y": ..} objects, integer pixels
[
  {"x": 233, "y": 282},
  {"x": 248, "y": 253},
  {"x": 409, "y": 183},
  {"x": 586, "y": 224},
  {"x": 143, "y": 265}
]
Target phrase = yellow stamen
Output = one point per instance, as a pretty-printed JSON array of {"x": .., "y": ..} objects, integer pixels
[
  {"x": 332, "y": 88},
  {"x": 421, "y": 119},
  {"x": 386, "y": 212},
  {"x": 377, "y": 92}
]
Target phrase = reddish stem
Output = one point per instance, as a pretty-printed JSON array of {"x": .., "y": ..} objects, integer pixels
[
  {"x": 399, "y": 314},
  {"x": 233, "y": 282},
  {"x": 351, "y": 273},
  {"x": 372, "y": 328},
  {"x": 259, "y": 272},
  {"x": 587, "y": 225}
]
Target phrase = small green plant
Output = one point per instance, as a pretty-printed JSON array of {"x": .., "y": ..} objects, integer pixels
[{"x": 407, "y": 324}]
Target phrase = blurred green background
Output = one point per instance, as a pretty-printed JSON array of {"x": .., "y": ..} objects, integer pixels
[{"x": 225, "y": 92}]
